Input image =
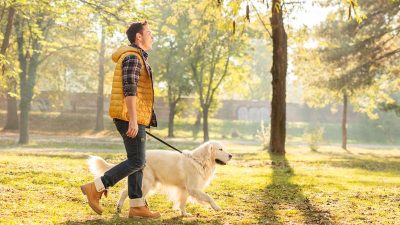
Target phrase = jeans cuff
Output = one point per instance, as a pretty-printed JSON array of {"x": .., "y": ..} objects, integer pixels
[
  {"x": 137, "y": 202},
  {"x": 99, "y": 184}
]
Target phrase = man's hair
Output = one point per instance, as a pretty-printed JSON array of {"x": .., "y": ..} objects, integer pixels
[{"x": 134, "y": 28}]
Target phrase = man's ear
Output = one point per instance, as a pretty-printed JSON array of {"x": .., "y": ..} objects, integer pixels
[{"x": 138, "y": 36}]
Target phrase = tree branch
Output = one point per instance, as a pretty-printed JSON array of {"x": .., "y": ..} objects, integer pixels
[
  {"x": 101, "y": 8},
  {"x": 259, "y": 18},
  {"x": 222, "y": 78},
  {"x": 214, "y": 62},
  {"x": 51, "y": 53}
]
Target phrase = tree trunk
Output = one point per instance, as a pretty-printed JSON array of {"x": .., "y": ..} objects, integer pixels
[
  {"x": 12, "y": 112},
  {"x": 100, "y": 88},
  {"x": 24, "y": 124},
  {"x": 27, "y": 86},
  {"x": 278, "y": 71},
  {"x": 7, "y": 34},
  {"x": 205, "y": 124},
  {"x": 344, "y": 122},
  {"x": 198, "y": 120},
  {"x": 172, "y": 107},
  {"x": 24, "y": 106},
  {"x": 27, "y": 78}
]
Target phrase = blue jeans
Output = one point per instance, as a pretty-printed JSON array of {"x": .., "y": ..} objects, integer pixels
[{"x": 133, "y": 166}]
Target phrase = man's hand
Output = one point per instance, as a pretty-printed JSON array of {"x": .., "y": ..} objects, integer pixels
[
  {"x": 133, "y": 128},
  {"x": 133, "y": 125}
]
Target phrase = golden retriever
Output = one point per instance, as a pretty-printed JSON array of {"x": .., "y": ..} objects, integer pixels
[{"x": 187, "y": 173}]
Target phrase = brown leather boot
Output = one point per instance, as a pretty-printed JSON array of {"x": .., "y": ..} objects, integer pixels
[
  {"x": 143, "y": 212},
  {"x": 93, "y": 196}
]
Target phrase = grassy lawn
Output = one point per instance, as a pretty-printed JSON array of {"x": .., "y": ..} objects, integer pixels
[{"x": 40, "y": 185}]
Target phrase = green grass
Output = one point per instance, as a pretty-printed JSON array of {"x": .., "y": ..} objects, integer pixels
[
  {"x": 96, "y": 145},
  {"x": 361, "y": 186}
]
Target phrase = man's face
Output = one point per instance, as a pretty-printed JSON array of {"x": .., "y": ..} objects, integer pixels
[{"x": 145, "y": 40}]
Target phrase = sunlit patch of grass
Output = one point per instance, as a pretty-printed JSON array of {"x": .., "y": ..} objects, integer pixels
[
  {"x": 330, "y": 186},
  {"x": 85, "y": 145}
]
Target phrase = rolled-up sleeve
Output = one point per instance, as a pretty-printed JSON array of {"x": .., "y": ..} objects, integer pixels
[{"x": 130, "y": 74}]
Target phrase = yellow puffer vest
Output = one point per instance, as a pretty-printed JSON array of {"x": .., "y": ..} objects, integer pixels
[{"x": 145, "y": 92}]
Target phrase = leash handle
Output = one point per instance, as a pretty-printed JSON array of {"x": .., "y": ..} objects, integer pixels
[{"x": 163, "y": 141}]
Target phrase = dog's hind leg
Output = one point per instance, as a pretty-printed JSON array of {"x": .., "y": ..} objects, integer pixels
[
  {"x": 203, "y": 197},
  {"x": 122, "y": 197},
  {"x": 148, "y": 184}
]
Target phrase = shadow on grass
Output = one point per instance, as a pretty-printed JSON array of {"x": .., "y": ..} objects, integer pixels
[
  {"x": 283, "y": 199},
  {"x": 366, "y": 161},
  {"x": 116, "y": 219},
  {"x": 376, "y": 165}
]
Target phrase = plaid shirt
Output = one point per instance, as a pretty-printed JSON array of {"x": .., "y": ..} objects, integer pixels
[{"x": 130, "y": 77}]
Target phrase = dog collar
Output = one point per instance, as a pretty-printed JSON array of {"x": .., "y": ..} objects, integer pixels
[{"x": 196, "y": 160}]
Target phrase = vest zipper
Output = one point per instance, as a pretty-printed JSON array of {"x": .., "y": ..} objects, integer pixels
[{"x": 152, "y": 86}]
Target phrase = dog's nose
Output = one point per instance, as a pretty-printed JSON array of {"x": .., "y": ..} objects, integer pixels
[{"x": 230, "y": 156}]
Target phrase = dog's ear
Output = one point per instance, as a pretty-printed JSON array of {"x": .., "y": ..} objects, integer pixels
[
  {"x": 207, "y": 149},
  {"x": 211, "y": 150}
]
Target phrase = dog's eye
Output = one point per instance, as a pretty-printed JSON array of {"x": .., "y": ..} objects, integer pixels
[{"x": 220, "y": 149}]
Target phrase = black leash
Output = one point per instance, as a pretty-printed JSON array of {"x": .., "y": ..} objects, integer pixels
[{"x": 163, "y": 141}]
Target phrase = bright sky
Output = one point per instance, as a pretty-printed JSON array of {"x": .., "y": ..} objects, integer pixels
[{"x": 310, "y": 15}]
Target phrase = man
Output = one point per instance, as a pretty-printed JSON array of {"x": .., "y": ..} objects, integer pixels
[{"x": 131, "y": 107}]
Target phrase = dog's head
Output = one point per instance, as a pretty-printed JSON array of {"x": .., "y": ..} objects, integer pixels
[{"x": 217, "y": 152}]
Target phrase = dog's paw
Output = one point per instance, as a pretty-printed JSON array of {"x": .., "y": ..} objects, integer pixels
[
  {"x": 186, "y": 214},
  {"x": 119, "y": 208}
]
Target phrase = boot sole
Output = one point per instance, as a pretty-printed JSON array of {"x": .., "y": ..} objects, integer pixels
[{"x": 144, "y": 218}]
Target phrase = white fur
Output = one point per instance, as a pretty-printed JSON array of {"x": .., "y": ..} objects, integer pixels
[{"x": 184, "y": 175}]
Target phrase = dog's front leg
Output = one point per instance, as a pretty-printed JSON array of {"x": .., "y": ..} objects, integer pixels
[
  {"x": 184, "y": 213},
  {"x": 123, "y": 196},
  {"x": 201, "y": 196}
]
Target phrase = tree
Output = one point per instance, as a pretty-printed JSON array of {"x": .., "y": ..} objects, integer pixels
[
  {"x": 12, "y": 115},
  {"x": 29, "y": 54},
  {"x": 258, "y": 85},
  {"x": 213, "y": 50},
  {"x": 35, "y": 44},
  {"x": 278, "y": 71},
  {"x": 351, "y": 61},
  {"x": 279, "y": 65},
  {"x": 169, "y": 58},
  {"x": 112, "y": 19},
  {"x": 100, "y": 89},
  {"x": 46, "y": 35}
]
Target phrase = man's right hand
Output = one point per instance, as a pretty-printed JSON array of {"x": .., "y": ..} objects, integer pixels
[
  {"x": 133, "y": 128},
  {"x": 133, "y": 125}
]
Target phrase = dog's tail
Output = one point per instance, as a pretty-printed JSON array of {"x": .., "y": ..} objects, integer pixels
[{"x": 98, "y": 166}]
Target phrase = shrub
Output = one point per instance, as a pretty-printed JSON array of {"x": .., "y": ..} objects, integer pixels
[
  {"x": 264, "y": 134},
  {"x": 314, "y": 136}
]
